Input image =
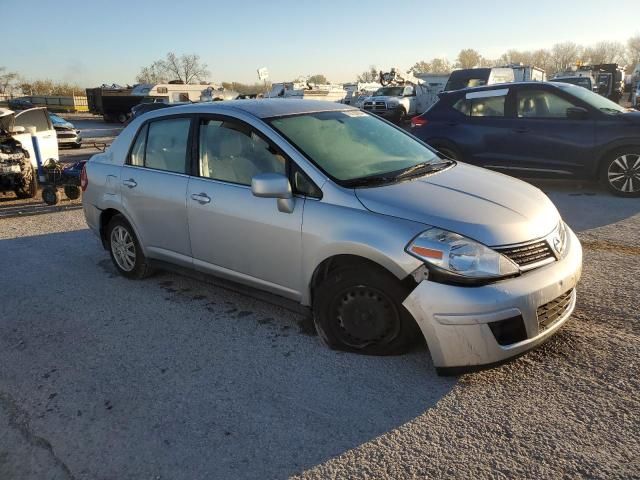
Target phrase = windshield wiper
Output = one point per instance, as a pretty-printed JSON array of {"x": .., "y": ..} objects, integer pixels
[
  {"x": 422, "y": 169},
  {"x": 391, "y": 177}
]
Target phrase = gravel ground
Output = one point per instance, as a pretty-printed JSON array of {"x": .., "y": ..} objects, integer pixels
[{"x": 169, "y": 378}]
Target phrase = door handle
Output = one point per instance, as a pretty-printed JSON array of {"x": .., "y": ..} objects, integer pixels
[
  {"x": 521, "y": 130},
  {"x": 201, "y": 198},
  {"x": 131, "y": 183}
]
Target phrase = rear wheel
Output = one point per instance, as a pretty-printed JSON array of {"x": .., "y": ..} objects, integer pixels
[
  {"x": 621, "y": 172},
  {"x": 122, "y": 117},
  {"x": 360, "y": 310},
  {"x": 72, "y": 192},
  {"x": 125, "y": 250}
]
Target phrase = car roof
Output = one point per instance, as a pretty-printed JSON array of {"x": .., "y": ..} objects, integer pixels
[
  {"x": 512, "y": 84},
  {"x": 262, "y": 108}
]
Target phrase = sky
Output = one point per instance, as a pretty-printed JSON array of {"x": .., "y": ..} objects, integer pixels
[{"x": 93, "y": 42}]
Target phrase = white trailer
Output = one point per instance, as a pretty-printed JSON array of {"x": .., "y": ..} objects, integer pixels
[
  {"x": 180, "y": 93},
  {"x": 307, "y": 91}
]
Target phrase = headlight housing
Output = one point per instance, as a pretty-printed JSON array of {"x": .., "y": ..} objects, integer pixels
[{"x": 452, "y": 257}]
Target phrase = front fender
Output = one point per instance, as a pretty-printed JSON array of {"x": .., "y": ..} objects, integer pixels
[{"x": 330, "y": 230}]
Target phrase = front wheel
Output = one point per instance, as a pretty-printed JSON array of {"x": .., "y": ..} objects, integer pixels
[
  {"x": 621, "y": 172},
  {"x": 28, "y": 187},
  {"x": 360, "y": 310},
  {"x": 125, "y": 250}
]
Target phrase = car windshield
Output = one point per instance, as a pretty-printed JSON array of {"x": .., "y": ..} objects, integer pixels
[
  {"x": 389, "y": 92},
  {"x": 596, "y": 101},
  {"x": 357, "y": 149},
  {"x": 580, "y": 81}
]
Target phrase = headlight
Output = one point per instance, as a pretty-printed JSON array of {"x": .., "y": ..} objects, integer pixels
[
  {"x": 460, "y": 259},
  {"x": 559, "y": 239}
]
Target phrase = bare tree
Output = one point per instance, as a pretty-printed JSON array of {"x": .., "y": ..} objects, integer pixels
[
  {"x": 421, "y": 67},
  {"x": 468, "y": 58},
  {"x": 605, "y": 52},
  {"x": 154, "y": 73},
  {"x": 370, "y": 75},
  {"x": 440, "y": 65},
  {"x": 565, "y": 55},
  {"x": 633, "y": 50},
  {"x": 186, "y": 68},
  {"x": 7, "y": 81},
  {"x": 318, "y": 78}
]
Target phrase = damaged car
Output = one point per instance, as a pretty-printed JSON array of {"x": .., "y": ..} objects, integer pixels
[
  {"x": 386, "y": 241},
  {"x": 18, "y": 164},
  {"x": 66, "y": 133}
]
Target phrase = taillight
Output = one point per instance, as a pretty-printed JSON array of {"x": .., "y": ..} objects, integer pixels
[
  {"x": 418, "y": 122},
  {"x": 84, "y": 181}
]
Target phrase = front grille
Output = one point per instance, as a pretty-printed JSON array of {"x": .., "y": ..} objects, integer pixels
[
  {"x": 555, "y": 309},
  {"x": 529, "y": 255},
  {"x": 377, "y": 105}
]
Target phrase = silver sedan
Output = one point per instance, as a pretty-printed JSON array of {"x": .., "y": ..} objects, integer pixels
[{"x": 384, "y": 239}]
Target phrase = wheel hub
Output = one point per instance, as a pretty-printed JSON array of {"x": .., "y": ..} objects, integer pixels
[
  {"x": 624, "y": 173},
  {"x": 365, "y": 315}
]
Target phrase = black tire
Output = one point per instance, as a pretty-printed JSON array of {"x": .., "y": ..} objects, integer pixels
[
  {"x": 51, "y": 196},
  {"x": 401, "y": 116},
  {"x": 107, "y": 117},
  {"x": 359, "y": 309},
  {"x": 620, "y": 172},
  {"x": 72, "y": 192},
  {"x": 76, "y": 145},
  {"x": 140, "y": 268},
  {"x": 29, "y": 186},
  {"x": 122, "y": 117}
]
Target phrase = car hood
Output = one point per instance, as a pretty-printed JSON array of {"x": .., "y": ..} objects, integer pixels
[{"x": 483, "y": 205}]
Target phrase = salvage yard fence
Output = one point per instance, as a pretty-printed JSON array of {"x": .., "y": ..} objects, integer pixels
[{"x": 55, "y": 103}]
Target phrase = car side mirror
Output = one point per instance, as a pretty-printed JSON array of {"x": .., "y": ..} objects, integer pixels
[
  {"x": 577, "y": 113},
  {"x": 274, "y": 185}
]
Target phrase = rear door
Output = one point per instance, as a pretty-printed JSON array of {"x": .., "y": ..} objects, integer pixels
[
  {"x": 47, "y": 140},
  {"x": 544, "y": 140},
  {"x": 153, "y": 186},
  {"x": 483, "y": 129}
]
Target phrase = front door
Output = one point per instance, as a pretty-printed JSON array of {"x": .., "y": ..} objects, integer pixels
[
  {"x": 545, "y": 141},
  {"x": 233, "y": 233},
  {"x": 154, "y": 188}
]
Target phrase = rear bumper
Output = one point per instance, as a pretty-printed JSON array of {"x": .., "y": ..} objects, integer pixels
[{"x": 455, "y": 320}]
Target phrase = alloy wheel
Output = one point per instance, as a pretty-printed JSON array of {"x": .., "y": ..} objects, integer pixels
[
  {"x": 623, "y": 173},
  {"x": 123, "y": 248}
]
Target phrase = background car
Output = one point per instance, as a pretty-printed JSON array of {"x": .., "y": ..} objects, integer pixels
[
  {"x": 67, "y": 134},
  {"x": 19, "y": 104},
  {"x": 537, "y": 129}
]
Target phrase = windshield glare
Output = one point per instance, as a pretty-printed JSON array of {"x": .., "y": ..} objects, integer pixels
[
  {"x": 389, "y": 92},
  {"x": 596, "y": 101},
  {"x": 352, "y": 144}
]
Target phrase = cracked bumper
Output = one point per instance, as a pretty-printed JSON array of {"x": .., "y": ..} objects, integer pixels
[{"x": 454, "y": 320}]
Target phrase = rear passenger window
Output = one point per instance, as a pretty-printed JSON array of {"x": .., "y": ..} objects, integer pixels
[
  {"x": 166, "y": 146},
  {"x": 490, "y": 106},
  {"x": 137, "y": 152}
]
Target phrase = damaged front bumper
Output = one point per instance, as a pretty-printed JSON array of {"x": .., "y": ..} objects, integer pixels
[{"x": 474, "y": 326}]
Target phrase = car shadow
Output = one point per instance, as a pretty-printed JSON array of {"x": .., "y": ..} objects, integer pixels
[
  {"x": 11, "y": 206},
  {"x": 587, "y": 205},
  {"x": 178, "y": 377}
]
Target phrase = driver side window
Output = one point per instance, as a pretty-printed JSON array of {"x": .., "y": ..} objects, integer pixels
[{"x": 232, "y": 152}]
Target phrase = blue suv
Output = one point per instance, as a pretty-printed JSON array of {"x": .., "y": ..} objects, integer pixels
[{"x": 538, "y": 129}]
